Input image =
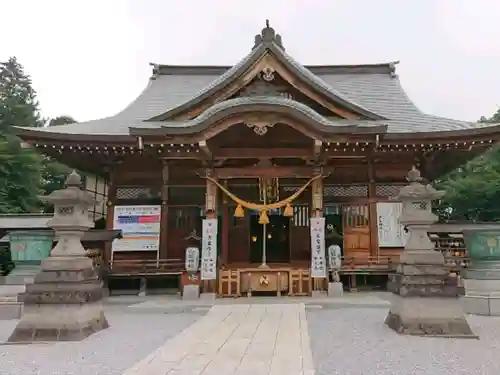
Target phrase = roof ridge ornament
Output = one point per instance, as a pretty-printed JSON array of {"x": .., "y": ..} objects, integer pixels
[{"x": 268, "y": 36}]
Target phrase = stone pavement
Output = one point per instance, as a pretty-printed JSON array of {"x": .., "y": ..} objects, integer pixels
[{"x": 237, "y": 339}]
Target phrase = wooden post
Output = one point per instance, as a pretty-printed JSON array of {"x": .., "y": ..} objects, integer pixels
[
  {"x": 372, "y": 208},
  {"x": 225, "y": 229},
  {"x": 164, "y": 212},
  {"x": 110, "y": 211}
]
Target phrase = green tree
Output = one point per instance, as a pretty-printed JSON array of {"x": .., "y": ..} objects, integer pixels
[
  {"x": 19, "y": 177},
  {"x": 54, "y": 173},
  {"x": 473, "y": 191},
  {"x": 20, "y": 167},
  {"x": 18, "y": 102},
  {"x": 62, "y": 120}
]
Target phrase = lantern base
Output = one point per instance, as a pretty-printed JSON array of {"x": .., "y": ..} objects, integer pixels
[
  {"x": 426, "y": 303},
  {"x": 63, "y": 304},
  {"x": 433, "y": 317}
]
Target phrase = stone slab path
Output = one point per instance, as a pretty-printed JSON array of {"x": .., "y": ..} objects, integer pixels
[{"x": 237, "y": 339}]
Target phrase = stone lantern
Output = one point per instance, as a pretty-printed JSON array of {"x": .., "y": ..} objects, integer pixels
[
  {"x": 425, "y": 298},
  {"x": 64, "y": 302}
]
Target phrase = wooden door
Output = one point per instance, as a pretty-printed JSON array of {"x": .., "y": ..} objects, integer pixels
[
  {"x": 356, "y": 230},
  {"x": 181, "y": 223},
  {"x": 238, "y": 238}
]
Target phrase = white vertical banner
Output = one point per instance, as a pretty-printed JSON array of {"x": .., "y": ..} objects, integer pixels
[
  {"x": 209, "y": 250},
  {"x": 318, "y": 258}
]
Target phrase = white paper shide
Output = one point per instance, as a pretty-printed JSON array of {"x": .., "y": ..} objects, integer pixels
[
  {"x": 209, "y": 250},
  {"x": 318, "y": 261}
]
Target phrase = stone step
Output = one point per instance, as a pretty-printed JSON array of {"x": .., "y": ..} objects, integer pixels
[{"x": 10, "y": 309}]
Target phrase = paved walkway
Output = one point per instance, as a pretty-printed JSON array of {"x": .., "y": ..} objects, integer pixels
[{"x": 237, "y": 339}]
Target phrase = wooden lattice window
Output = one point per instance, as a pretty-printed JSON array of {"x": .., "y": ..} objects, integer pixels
[
  {"x": 356, "y": 215},
  {"x": 346, "y": 191},
  {"x": 387, "y": 190},
  {"x": 184, "y": 217},
  {"x": 136, "y": 193},
  {"x": 301, "y": 216}
]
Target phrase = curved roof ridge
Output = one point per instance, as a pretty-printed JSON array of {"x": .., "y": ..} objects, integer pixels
[{"x": 262, "y": 100}]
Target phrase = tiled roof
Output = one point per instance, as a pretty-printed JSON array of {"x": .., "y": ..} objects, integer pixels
[{"x": 373, "y": 89}]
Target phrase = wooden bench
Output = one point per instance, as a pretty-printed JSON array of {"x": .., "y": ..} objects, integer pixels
[{"x": 145, "y": 269}]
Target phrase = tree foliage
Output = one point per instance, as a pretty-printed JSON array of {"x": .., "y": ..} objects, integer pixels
[
  {"x": 473, "y": 191},
  {"x": 20, "y": 167},
  {"x": 54, "y": 173},
  {"x": 18, "y": 102},
  {"x": 24, "y": 174},
  {"x": 62, "y": 120}
]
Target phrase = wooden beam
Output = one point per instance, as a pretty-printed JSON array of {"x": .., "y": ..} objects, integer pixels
[
  {"x": 372, "y": 208},
  {"x": 267, "y": 153},
  {"x": 317, "y": 149},
  {"x": 205, "y": 149},
  {"x": 256, "y": 172}
]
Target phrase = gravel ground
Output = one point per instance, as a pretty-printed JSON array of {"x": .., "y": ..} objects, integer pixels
[
  {"x": 354, "y": 341},
  {"x": 131, "y": 337}
]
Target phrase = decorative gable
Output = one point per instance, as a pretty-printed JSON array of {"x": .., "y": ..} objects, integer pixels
[{"x": 267, "y": 62}]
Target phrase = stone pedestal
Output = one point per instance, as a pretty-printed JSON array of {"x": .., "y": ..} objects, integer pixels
[
  {"x": 425, "y": 297},
  {"x": 482, "y": 297},
  {"x": 64, "y": 301},
  {"x": 191, "y": 292},
  {"x": 63, "y": 304},
  {"x": 425, "y": 302},
  {"x": 335, "y": 289},
  {"x": 482, "y": 277}
]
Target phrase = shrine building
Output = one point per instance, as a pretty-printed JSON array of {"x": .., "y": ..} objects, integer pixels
[{"x": 265, "y": 147}]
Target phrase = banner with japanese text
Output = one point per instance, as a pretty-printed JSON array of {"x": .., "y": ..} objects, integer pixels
[
  {"x": 209, "y": 250},
  {"x": 318, "y": 258}
]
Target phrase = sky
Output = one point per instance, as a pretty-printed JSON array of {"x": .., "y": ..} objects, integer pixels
[{"x": 89, "y": 59}]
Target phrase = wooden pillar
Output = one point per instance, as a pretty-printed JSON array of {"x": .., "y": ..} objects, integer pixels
[
  {"x": 372, "y": 208},
  {"x": 317, "y": 194},
  {"x": 164, "y": 212},
  {"x": 110, "y": 211},
  {"x": 225, "y": 229}
]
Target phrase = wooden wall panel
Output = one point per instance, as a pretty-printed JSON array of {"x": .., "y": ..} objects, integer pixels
[{"x": 356, "y": 229}]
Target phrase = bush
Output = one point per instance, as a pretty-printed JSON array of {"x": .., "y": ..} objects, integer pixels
[{"x": 6, "y": 263}]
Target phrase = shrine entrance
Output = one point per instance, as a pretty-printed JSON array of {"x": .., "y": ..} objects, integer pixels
[{"x": 273, "y": 237}]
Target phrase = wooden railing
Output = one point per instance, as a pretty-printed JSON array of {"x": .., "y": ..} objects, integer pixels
[
  {"x": 380, "y": 264},
  {"x": 388, "y": 264},
  {"x": 162, "y": 267}
]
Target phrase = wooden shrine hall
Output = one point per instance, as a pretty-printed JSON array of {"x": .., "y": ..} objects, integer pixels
[{"x": 265, "y": 148}]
